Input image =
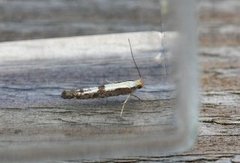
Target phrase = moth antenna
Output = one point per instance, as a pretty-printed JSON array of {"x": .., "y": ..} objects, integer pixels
[{"x": 134, "y": 59}]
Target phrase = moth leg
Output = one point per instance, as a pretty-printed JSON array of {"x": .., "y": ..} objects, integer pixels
[
  {"x": 124, "y": 103},
  {"x": 137, "y": 97}
]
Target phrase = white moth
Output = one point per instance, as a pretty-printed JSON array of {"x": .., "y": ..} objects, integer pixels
[{"x": 107, "y": 90}]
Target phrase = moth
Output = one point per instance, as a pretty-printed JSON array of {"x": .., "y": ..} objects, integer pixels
[{"x": 108, "y": 90}]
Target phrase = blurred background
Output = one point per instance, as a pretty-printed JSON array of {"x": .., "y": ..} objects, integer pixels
[{"x": 33, "y": 19}]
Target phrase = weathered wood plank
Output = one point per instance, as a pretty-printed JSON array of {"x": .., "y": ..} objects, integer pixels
[
  {"x": 219, "y": 27},
  {"x": 32, "y": 78}
]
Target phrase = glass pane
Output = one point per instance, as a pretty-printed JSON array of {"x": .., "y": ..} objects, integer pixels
[{"x": 126, "y": 83}]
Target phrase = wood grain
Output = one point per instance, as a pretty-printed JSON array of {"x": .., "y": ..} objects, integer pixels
[{"x": 219, "y": 131}]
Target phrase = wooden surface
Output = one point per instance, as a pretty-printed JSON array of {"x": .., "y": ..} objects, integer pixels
[
  {"x": 219, "y": 131},
  {"x": 32, "y": 78}
]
